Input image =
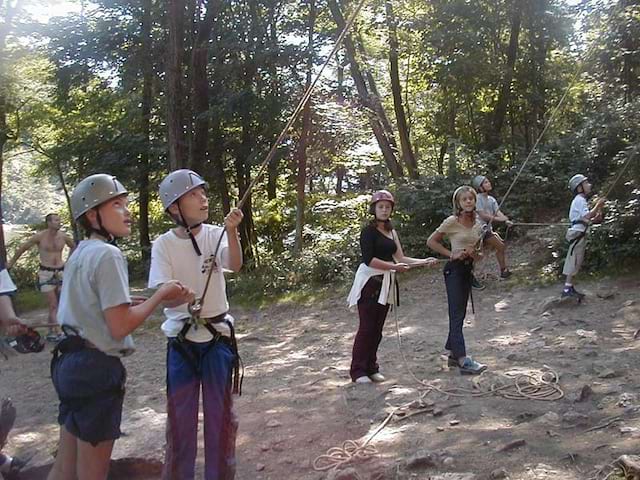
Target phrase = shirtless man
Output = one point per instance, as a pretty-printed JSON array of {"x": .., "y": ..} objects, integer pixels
[{"x": 50, "y": 244}]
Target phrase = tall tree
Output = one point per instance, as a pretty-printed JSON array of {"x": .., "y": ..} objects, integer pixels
[
  {"x": 378, "y": 128},
  {"x": 200, "y": 85},
  {"x": 493, "y": 138},
  {"x": 301, "y": 152},
  {"x": 408, "y": 156},
  {"x": 177, "y": 146},
  {"x": 146, "y": 57}
]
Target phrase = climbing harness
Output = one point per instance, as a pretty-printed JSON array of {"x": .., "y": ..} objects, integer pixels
[{"x": 181, "y": 344}]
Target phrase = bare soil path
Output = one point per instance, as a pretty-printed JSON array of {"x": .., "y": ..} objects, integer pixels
[{"x": 298, "y": 401}]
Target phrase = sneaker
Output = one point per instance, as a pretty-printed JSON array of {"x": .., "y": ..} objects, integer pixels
[
  {"x": 54, "y": 337},
  {"x": 572, "y": 292},
  {"x": 506, "y": 273},
  {"x": 363, "y": 379},
  {"x": 471, "y": 367},
  {"x": 475, "y": 283},
  {"x": 377, "y": 377}
]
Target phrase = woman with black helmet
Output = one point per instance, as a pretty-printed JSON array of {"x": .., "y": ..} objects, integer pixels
[{"x": 373, "y": 286}]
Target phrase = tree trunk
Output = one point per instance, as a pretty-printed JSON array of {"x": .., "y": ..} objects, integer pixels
[
  {"x": 175, "y": 94},
  {"x": 453, "y": 159},
  {"x": 147, "y": 99},
  {"x": 493, "y": 139},
  {"x": 539, "y": 47},
  {"x": 378, "y": 129},
  {"x": 301, "y": 152},
  {"x": 442, "y": 153},
  {"x": 408, "y": 157},
  {"x": 217, "y": 174},
  {"x": 3, "y": 141},
  {"x": 275, "y": 100},
  {"x": 630, "y": 44},
  {"x": 340, "y": 174},
  {"x": 200, "y": 87}
]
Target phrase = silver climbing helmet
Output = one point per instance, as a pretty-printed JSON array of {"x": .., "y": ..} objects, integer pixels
[
  {"x": 177, "y": 183},
  {"x": 93, "y": 191},
  {"x": 477, "y": 182},
  {"x": 576, "y": 181}
]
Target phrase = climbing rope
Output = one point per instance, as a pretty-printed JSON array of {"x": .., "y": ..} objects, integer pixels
[
  {"x": 196, "y": 307},
  {"x": 543, "y": 386},
  {"x": 525, "y": 386}
]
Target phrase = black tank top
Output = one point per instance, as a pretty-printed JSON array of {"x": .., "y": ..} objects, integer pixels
[{"x": 374, "y": 244}]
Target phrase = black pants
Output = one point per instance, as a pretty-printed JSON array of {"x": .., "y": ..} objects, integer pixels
[
  {"x": 372, "y": 315},
  {"x": 457, "y": 279}
]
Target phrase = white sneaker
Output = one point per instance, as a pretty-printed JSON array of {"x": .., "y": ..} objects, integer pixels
[
  {"x": 377, "y": 377},
  {"x": 363, "y": 379}
]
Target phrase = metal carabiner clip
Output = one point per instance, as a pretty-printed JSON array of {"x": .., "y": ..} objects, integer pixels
[{"x": 194, "y": 309}]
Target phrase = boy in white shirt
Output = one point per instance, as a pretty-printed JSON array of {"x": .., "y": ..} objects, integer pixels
[
  {"x": 580, "y": 217},
  {"x": 200, "y": 354}
]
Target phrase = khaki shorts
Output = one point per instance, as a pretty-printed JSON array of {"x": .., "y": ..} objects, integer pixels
[
  {"x": 49, "y": 280},
  {"x": 575, "y": 257}
]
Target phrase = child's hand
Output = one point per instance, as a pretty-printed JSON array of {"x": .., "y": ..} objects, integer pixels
[
  {"x": 473, "y": 253},
  {"x": 508, "y": 223},
  {"x": 173, "y": 291},
  {"x": 430, "y": 261},
  {"x": 13, "y": 327},
  {"x": 233, "y": 219},
  {"x": 401, "y": 267},
  {"x": 459, "y": 255}
]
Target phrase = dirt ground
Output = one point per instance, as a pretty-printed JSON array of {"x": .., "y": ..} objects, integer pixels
[{"x": 298, "y": 401}]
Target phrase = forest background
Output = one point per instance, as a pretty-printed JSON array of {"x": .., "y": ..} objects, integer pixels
[{"x": 421, "y": 96}]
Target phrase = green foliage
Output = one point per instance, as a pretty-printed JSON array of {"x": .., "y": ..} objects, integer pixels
[{"x": 329, "y": 258}]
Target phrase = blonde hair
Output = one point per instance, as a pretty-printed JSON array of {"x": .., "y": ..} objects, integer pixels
[{"x": 455, "y": 200}]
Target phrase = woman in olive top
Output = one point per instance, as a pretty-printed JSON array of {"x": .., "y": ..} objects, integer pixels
[{"x": 463, "y": 230}]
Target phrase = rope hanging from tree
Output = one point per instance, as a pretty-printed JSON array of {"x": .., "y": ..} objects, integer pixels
[{"x": 196, "y": 307}]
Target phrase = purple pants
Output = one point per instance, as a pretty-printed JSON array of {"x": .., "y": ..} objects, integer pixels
[{"x": 372, "y": 315}]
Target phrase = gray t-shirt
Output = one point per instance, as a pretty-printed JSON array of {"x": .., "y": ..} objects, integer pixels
[
  {"x": 486, "y": 204},
  {"x": 95, "y": 279}
]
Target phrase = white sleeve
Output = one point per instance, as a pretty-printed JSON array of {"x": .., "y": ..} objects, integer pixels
[
  {"x": 223, "y": 253},
  {"x": 160, "y": 270}
]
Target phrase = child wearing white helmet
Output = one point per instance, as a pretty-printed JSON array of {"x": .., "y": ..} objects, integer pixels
[
  {"x": 580, "y": 217},
  {"x": 97, "y": 316},
  {"x": 201, "y": 349},
  {"x": 374, "y": 286},
  {"x": 489, "y": 213},
  {"x": 464, "y": 230}
]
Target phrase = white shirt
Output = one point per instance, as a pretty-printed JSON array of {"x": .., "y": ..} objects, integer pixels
[
  {"x": 174, "y": 258},
  {"x": 579, "y": 209},
  {"x": 485, "y": 203},
  {"x": 363, "y": 274},
  {"x": 6, "y": 284},
  {"x": 95, "y": 279}
]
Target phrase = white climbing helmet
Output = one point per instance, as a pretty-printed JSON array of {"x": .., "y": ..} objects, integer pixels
[{"x": 576, "y": 181}]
